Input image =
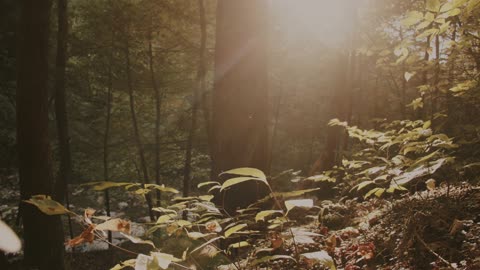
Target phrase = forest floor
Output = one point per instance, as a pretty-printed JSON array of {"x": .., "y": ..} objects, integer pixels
[{"x": 437, "y": 229}]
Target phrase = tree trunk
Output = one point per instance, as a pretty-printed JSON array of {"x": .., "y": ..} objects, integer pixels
[
  {"x": 61, "y": 114},
  {"x": 330, "y": 155},
  {"x": 106, "y": 136},
  {"x": 43, "y": 234},
  {"x": 199, "y": 88},
  {"x": 138, "y": 140},
  {"x": 240, "y": 98},
  {"x": 158, "y": 111}
]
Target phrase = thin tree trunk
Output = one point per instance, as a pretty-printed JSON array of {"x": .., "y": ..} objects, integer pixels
[
  {"x": 106, "y": 136},
  {"x": 138, "y": 141},
  {"x": 158, "y": 111},
  {"x": 451, "y": 79},
  {"x": 43, "y": 234},
  {"x": 403, "y": 89},
  {"x": 61, "y": 114},
  {"x": 436, "y": 89},
  {"x": 199, "y": 88},
  {"x": 275, "y": 125}
]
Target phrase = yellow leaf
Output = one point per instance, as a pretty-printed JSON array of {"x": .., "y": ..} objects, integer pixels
[
  {"x": 238, "y": 180},
  {"x": 252, "y": 172},
  {"x": 47, "y": 205},
  {"x": 263, "y": 214}
]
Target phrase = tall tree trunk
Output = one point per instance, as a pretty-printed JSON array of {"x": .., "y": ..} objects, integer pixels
[
  {"x": 240, "y": 98},
  {"x": 199, "y": 88},
  {"x": 451, "y": 79},
  {"x": 61, "y": 114},
  {"x": 328, "y": 159},
  {"x": 158, "y": 112},
  {"x": 436, "y": 90},
  {"x": 106, "y": 136},
  {"x": 138, "y": 140},
  {"x": 43, "y": 234}
]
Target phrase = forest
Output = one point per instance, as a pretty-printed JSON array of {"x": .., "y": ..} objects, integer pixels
[{"x": 240, "y": 134}]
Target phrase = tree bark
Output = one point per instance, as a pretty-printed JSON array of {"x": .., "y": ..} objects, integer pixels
[
  {"x": 240, "y": 97},
  {"x": 199, "y": 88},
  {"x": 61, "y": 114},
  {"x": 158, "y": 111},
  {"x": 43, "y": 234},
  {"x": 138, "y": 140}
]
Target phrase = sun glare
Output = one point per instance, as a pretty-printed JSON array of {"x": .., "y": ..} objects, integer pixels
[{"x": 328, "y": 21}]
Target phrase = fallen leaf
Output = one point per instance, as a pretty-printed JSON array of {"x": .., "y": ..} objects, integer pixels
[{"x": 86, "y": 236}]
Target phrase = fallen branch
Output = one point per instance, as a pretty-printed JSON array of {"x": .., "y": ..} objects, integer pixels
[{"x": 433, "y": 252}]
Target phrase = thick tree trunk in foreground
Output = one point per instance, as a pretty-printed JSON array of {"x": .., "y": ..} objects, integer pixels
[
  {"x": 240, "y": 98},
  {"x": 43, "y": 234}
]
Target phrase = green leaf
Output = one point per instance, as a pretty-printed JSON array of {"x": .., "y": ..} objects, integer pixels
[
  {"x": 47, "y": 205},
  {"x": 419, "y": 171},
  {"x": 321, "y": 257},
  {"x": 454, "y": 12},
  {"x": 137, "y": 240},
  {"x": 129, "y": 263},
  {"x": 377, "y": 191},
  {"x": 164, "y": 210},
  {"x": 263, "y": 214},
  {"x": 295, "y": 193},
  {"x": 428, "y": 33},
  {"x": 164, "y": 218},
  {"x": 363, "y": 184},
  {"x": 234, "y": 229},
  {"x": 433, "y": 5},
  {"x": 251, "y": 172},
  {"x": 412, "y": 18},
  {"x": 238, "y": 180},
  {"x": 100, "y": 186},
  {"x": 207, "y": 184}
]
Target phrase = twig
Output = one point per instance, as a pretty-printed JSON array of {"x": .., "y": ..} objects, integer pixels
[
  {"x": 433, "y": 252},
  {"x": 297, "y": 254}
]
